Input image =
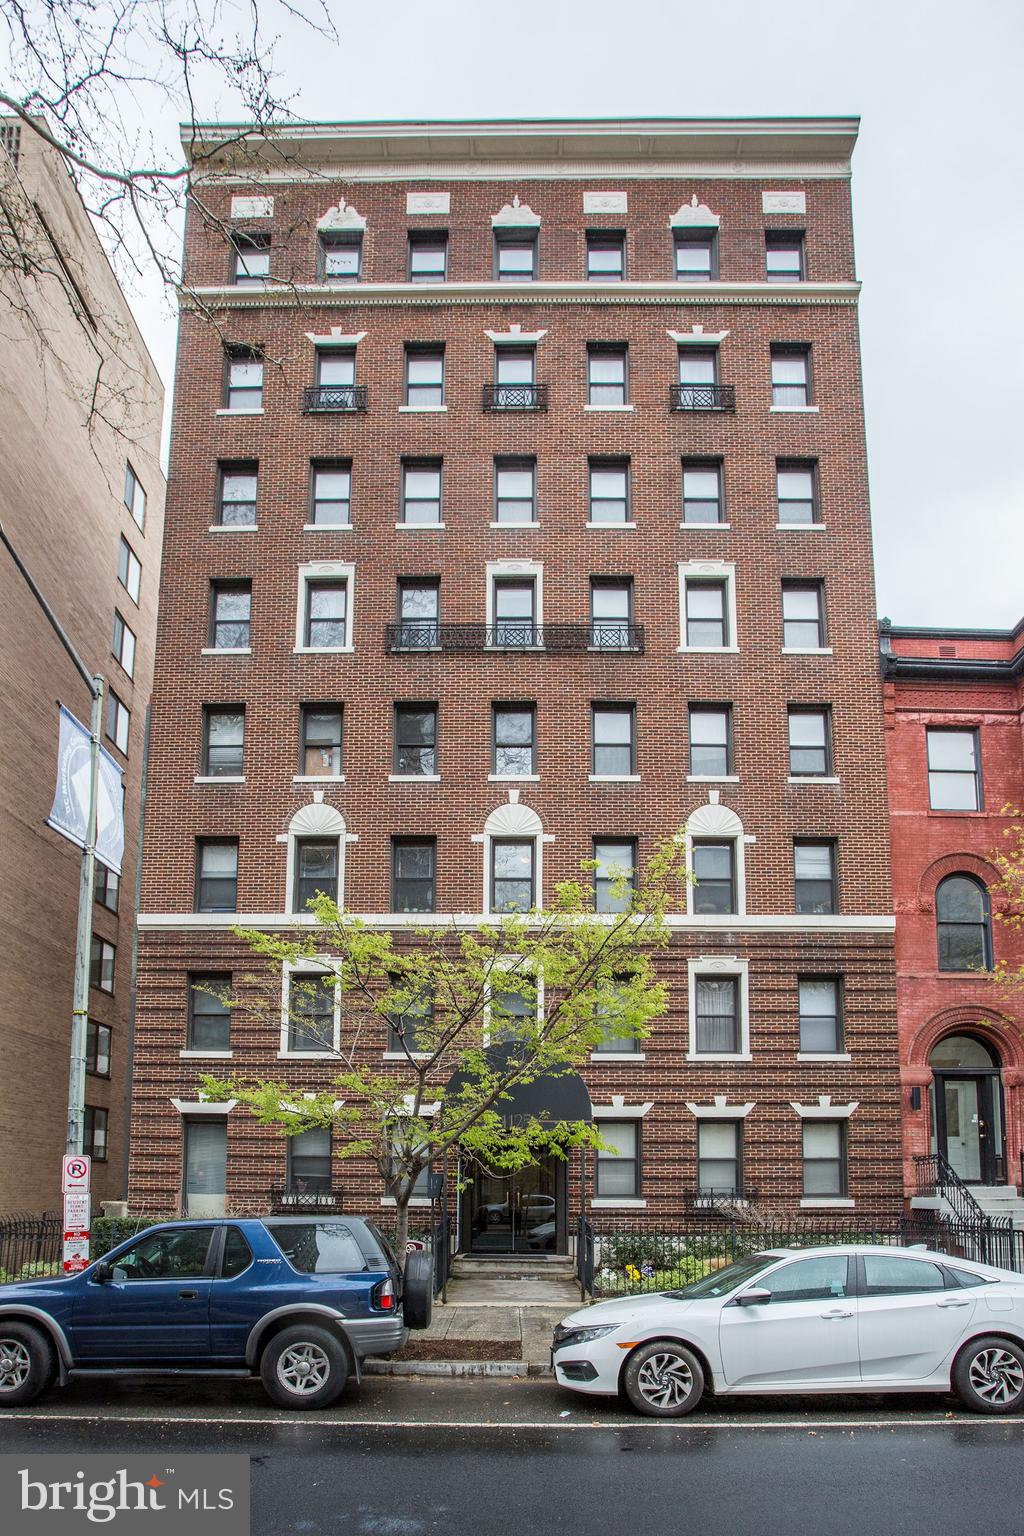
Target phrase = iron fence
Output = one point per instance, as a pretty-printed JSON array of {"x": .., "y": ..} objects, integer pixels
[
  {"x": 30, "y": 1245},
  {"x": 335, "y": 397},
  {"x": 441, "y": 1244},
  {"x": 515, "y": 397},
  {"x": 514, "y": 635},
  {"x": 934, "y": 1176},
  {"x": 702, "y": 397}
]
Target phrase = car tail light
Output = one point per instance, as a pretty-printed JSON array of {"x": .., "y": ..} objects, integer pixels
[{"x": 384, "y": 1296}]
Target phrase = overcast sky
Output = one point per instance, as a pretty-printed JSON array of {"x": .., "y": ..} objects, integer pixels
[{"x": 938, "y": 209}]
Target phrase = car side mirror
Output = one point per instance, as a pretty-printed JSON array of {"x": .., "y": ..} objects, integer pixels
[
  {"x": 101, "y": 1274},
  {"x": 753, "y": 1298}
]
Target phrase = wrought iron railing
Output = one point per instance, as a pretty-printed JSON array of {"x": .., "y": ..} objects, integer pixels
[
  {"x": 515, "y": 397},
  {"x": 585, "y": 1255},
  {"x": 335, "y": 397},
  {"x": 702, "y": 397},
  {"x": 514, "y": 635},
  {"x": 30, "y": 1245},
  {"x": 441, "y": 1243},
  {"x": 721, "y": 1199},
  {"x": 933, "y": 1175},
  {"x": 296, "y": 1201}
]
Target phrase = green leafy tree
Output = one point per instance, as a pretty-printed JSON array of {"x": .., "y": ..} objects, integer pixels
[{"x": 546, "y": 986}]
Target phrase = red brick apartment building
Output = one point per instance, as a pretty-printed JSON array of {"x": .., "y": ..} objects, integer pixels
[
  {"x": 519, "y": 514},
  {"x": 954, "y": 708}
]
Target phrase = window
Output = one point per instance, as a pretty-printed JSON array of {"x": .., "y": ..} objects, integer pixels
[
  {"x": 803, "y": 616},
  {"x": 424, "y": 377},
  {"x": 118, "y": 722},
  {"x": 134, "y": 497},
  {"x": 710, "y": 730},
  {"x": 824, "y": 1279},
  {"x": 97, "y": 1049},
  {"x": 784, "y": 255},
  {"x": 216, "y": 874},
  {"x": 325, "y": 627},
  {"x": 824, "y": 1147},
  {"x": 515, "y": 740},
  {"x": 609, "y": 491},
  {"x": 615, "y": 1038},
  {"x": 175, "y": 1254},
  {"x": 206, "y": 1171},
  {"x": 616, "y": 862},
  {"x": 129, "y": 571},
  {"x": 796, "y": 500},
  {"x": 237, "y": 501},
  {"x": 718, "y": 1157},
  {"x": 714, "y": 868},
  {"x": 814, "y": 877},
  {"x": 954, "y": 771},
  {"x": 606, "y": 255},
  {"x": 512, "y": 875},
  {"x": 888, "y": 1275},
  {"x": 617, "y": 1171},
  {"x": 614, "y": 740},
  {"x": 607, "y": 375},
  {"x": 250, "y": 260},
  {"x": 311, "y": 1001},
  {"x": 309, "y": 1162},
  {"x": 316, "y": 871},
  {"x": 696, "y": 257},
  {"x": 702, "y": 491},
  {"x": 611, "y": 612},
  {"x": 413, "y": 861},
  {"x": 421, "y": 492},
  {"x": 230, "y": 614},
  {"x": 511, "y": 1012},
  {"x": 791, "y": 376},
  {"x": 707, "y": 625},
  {"x": 94, "y": 1137},
  {"x": 341, "y": 257},
  {"x": 515, "y": 490},
  {"x": 515, "y": 255},
  {"x": 244, "y": 380},
  {"x": 409, "y": 1029},
  {"x": 209, "y": 1017},
  {"x": 419, "y": 612},
  {"x": 332, "y": 494},
  {"x": 963, "y": 922},
  {"x": 698, "y": 369},
  {"x": 223, "y": 741},
  {"x": 320, "y": 735},
  {"x": 515, "y": 612},
  {"x": 107, "y": 887},
  {"x": 821, "y": 1023},
  {"x": 428, "y": 256},
  {"x": 336, "y": 371},
  {"x": 415, "y": 740},
  {"x": 810, "y": 754},
  {"x": 102, "y": 959},
  {"x": 716, "y": 1016},
  {"x": 123, "y": 644},
  {"x": 515, "y": 367}
]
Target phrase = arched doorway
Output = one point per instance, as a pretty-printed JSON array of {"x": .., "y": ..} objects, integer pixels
[{"x": 967, "y": 1108}]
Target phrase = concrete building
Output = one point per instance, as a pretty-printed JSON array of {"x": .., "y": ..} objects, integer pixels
[
  {"x": 519, "y": 515},
  {"x": 954, "y": 709},
  {"x": 81, "y": 497}
]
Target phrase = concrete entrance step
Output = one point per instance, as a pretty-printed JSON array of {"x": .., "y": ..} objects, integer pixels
[{"x": 526, "y": 1267}]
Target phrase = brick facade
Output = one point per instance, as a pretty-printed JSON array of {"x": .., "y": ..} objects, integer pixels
[{"x": 753, "y": 675}]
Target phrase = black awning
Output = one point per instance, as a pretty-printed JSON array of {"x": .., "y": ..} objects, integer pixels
[{"x": 549, "y": 1099}]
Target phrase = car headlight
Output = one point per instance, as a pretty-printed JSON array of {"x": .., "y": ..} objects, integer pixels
[{"x": 566, "y": 1336}]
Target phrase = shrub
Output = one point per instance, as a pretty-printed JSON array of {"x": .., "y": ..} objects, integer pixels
[
  {"x": 40, "y": 1269},
  {"x": 623, "y": 1282},
  {"x": 110, "y": 1231},
  {"x": 638, "y": 1248}
]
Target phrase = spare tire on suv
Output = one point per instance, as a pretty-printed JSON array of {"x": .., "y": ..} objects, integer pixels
[{"x": 418, "y": 1289}]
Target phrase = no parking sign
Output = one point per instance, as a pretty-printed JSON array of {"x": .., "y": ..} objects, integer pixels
[{"x": 75, "y": 1181}]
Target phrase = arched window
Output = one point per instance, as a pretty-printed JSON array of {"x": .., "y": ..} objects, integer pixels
[
  {"x": 715, "y": 859},
  {"x": 963, "y": 922},
  {"x": 316, "y": 856},
  {"x": 963, "y": 1052}
]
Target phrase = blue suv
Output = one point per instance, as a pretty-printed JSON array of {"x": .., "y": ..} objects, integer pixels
[{"x": 300, "y": 1301}]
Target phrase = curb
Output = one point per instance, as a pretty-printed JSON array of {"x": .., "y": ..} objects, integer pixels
[{"x": 505, "y": 1368}]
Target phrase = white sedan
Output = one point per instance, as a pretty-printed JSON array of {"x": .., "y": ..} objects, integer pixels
[{"x": 851, "y": 1318}]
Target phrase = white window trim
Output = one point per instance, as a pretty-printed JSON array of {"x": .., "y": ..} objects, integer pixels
[
  {"x": 607, "y": 1203},
  {"x": 509, "y": 963},
  {"x": 613, "y": 778},
  {"x": 531, "y": 569},
  {"x": 793, "y": 410},
  {"x": 534, "y": 524},
  {"x": 187, "y": 1055},
  {"x": 300, "y": 969},
  {"x": 708, "y": 570},
  {"x": 318, "y": 778},
  {"x": 697, "y": 337},
  {"x": 336, "y": 339},
  {"x": 719, "y": 965},
  {"x": 712, "y": 778},
  {"x": 422, "y": 410},
  {"x": 325, "y": 527},
  {"x": 706, "y": 526},
  {"x": 618, "y": 1109},
  {"x": 322, "y": 822},
  {"x": 826, "y": 1202},
  {"x": 823, "y": 1056},
  {"x": 720, "y": 1109},
  {"x": 609, "y": 527},
  {"x": 325, "y": 570},
  {"x": 513, "y": 778},
  {"x": 807, "y": 650},
  {"x": 239, "y": 410},
  {"x": 233, "y": 528},
  {"x": 616, "y": 1056},
  {"x": 219, "y": 778},
  {"x": 516, "y": 823},
  {"x": 812, "y": 778},
  {"x": 608, "y": 407},
  {"x": 226, "y": 650},
  {"x": 194, "y": 1107},
  {"x": 825, "y": 1109},
  {"x": 803, "y": 527},
  {"x": 718, "y": 823}
]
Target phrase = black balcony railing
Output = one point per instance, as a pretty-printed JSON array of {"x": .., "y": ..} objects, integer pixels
[
  {"x": 702, "y": 397},
  {"x": 515, "y": 397},
  {"x": 514, "y": 635},
  {"x": 335, "y": 397},
  {"x": 295, "y": 1201},
  {"x": 718, "y": 1199}
]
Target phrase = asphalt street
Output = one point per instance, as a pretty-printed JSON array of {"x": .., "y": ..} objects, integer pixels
[{"x": 413, "y": 1457}]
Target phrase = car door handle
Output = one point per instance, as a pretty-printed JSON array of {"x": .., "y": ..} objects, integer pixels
[
  {"x": 954, "y": 1301},
  {"x": 187, "y": 1295},
  {"x": 836, "y": 1313}
]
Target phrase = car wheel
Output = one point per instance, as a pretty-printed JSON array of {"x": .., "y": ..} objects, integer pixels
[
  {"x": 304, "y": 1367},
  {"x": 989, "y": 1376},
  {"x": 663, "y": 1379},
  {"x": 418, "y": 1289},
  {"x": 26, "y": 1363}
]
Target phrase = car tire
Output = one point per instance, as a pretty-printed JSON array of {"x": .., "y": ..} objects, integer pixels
[
  {"x": 304, "y": 1367},
  {"x": 27, "y": 1363},
  {"x": 663, "y": 1379},
  {"x": 418, "y": 1289},
  {"x": 988, "y": 1376}
]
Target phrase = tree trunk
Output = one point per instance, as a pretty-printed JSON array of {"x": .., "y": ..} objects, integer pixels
[{"x": 401, "y": 1225}]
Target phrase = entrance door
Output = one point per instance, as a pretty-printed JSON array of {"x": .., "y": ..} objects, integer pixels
[
  {"x": 965, "y": 1125},
  {"x": 521, "y": 1212}
]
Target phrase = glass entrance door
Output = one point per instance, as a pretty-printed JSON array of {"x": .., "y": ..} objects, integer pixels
[
  {"x": 515, "y": 1212},
  {"x": 969, "y": 1132}
]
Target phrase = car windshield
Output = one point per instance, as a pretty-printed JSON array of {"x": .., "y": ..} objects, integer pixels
[
  {"x": 721, "y": 1281},
  {"x": 317, "y": 1247}
]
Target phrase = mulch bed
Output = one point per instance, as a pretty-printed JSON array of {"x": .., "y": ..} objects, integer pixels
[{"x": 461, "y": 1349}]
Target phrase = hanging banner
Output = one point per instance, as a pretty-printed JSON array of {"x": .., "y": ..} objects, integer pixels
[{"x": 70, "y": 813}]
